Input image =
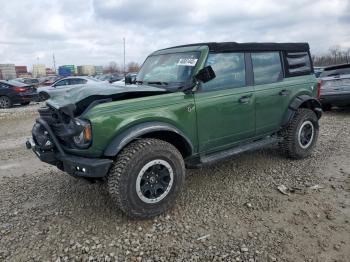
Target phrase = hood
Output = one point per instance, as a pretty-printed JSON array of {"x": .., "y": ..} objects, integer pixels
[{"x": 84, "y": 95}]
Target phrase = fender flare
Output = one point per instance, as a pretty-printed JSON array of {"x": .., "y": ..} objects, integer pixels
[
  {"x": 134, "y": 132},
  {"x": 312, "y": 103}
]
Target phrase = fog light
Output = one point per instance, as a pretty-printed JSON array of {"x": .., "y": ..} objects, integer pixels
[{"x": 84, "y": 169}]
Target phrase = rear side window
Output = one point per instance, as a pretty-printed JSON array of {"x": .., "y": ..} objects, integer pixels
[
  {"x": 267, "y": 67},
  {"x": 77, "y": 81},
  {"x": 62, "y": 83},
  {"x": 229, "y": 69},
  {"x": 298, "y": 63}
]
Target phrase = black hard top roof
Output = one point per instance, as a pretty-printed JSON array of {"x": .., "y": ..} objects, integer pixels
[
  {"x": 234, "y": 46},
  {"x": 334, "y": 67}
]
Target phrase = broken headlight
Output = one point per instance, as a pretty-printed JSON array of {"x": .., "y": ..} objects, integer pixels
[{"x": 83, "y": 140}]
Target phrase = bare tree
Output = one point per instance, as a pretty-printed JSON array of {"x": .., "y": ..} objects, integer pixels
[
  {"x": 336, "y": 55},
  {"x": 133, "y": 67},
  {"x": 112, "y": 68}
]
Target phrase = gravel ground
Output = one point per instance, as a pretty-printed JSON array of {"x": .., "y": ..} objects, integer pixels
[{"x": 228, "y": 212}]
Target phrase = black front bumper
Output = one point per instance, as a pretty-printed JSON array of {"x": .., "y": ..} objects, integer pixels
[{"x": 73, "y": 165}]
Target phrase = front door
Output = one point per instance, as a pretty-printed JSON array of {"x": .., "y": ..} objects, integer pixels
[{"x": 225, "y": 105}]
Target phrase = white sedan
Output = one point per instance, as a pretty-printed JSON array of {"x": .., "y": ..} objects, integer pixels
[{"x": 65, "y": 84}]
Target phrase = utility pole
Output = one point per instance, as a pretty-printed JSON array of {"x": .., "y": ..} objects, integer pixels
[
  {"x": 124, "y": 55},
  {"x": 54, "y": 62}
]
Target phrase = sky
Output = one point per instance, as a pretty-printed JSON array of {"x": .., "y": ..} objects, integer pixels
[{"x": 92, "y": 31}]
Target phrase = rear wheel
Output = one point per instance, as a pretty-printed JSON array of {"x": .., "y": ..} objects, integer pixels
[
  {"x": 146, "y": 177},
  {"x": 300, "y": 136},
  {"x": 5, "y": 102}
]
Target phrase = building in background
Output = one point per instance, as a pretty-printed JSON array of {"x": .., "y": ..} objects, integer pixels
[
  {"x": 7, "y": 71},
  {"x": 22, "y": 71},
  {"x": 50, "y": 72},
  {"x": 67, "y": 70},
  {"x": 39, "y": 70},
  {"x": 98, "y": 70},
  {"x": 86, "y": 70}
]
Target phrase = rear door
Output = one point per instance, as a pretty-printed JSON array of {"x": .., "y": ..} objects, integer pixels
[
  {"x": 225, "y": 105},
  {"x": 269, "y": 91}
]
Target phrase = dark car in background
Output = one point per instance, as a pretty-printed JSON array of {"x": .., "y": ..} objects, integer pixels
[
  {"x": 335, "y": 86},
  {"x": 14, "y": 92}
]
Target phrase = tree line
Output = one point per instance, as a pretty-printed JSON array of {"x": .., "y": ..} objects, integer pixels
[
  {"x": 335, "y": 55},
  {"x": 115, "y": 68}
]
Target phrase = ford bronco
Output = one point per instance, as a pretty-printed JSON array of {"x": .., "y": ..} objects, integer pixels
[{"x": 189, "y": 106}]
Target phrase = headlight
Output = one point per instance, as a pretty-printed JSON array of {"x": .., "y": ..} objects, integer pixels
[{"x": 83, "y": 140}]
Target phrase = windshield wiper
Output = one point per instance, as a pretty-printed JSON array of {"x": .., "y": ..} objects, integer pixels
[
  {"x": 158, "y": 83},
  {"x": 139, "y": 82}
]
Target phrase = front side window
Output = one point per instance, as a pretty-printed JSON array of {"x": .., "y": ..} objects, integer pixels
[
  {"x": 229, "y": 69},
  {"x": 167, "y": 69},
  {"x": 267, "y": 67}
]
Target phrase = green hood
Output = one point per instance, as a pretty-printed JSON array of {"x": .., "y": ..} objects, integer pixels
[{"x": 90, "y": 93}]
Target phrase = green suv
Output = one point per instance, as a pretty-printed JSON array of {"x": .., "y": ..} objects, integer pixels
[{"x": 189, "y": 106}]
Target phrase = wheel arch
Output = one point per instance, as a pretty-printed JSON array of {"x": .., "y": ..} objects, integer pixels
[
  {"x": 158, "y": 130},
  {"x": 302, "y": 101}
]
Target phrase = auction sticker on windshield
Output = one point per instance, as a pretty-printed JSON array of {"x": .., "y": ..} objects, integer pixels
[{"x": 187, "y": 62}]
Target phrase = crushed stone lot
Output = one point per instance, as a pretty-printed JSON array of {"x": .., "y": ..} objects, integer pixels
[{"x": 232, "y": 211}]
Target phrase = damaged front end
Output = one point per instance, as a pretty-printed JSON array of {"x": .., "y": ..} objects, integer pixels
[
  {"x": 62, "y": 128},
  {"x": 57, "y": 129}
]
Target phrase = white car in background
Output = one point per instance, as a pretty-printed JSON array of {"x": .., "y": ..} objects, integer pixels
[{"x": 65, "y": 84}]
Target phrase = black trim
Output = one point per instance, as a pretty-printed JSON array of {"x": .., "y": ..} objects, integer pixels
[
  {"x": 234, "y": 46},
  {"x": 121, "y": 140},
  {"x": 249, "y": 75}
]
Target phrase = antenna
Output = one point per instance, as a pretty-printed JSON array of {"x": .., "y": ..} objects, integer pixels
[{"x": 124, "y": 55}]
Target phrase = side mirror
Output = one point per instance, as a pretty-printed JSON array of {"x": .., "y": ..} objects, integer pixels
[
  {"x": 205, "y": 74},
  {"x": 128, "y": 80}
]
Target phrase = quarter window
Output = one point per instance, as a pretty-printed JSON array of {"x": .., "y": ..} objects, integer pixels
[
  {"x": 229, "y": 69},
  {"x": 298, "y": 63},
  {"x": 267, "y": 67}
]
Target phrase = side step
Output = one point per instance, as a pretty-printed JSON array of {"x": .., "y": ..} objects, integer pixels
[{"x": 215, "y": 157}]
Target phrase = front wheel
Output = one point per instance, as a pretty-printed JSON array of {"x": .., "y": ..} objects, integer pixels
[
  {"x": 146, "y": 177},
  {"x": 300, "y": 136}
]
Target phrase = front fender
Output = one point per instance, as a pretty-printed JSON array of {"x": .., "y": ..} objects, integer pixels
[
  {"x": 121, "y": 140},
  {"x": 302, "y": 101}
]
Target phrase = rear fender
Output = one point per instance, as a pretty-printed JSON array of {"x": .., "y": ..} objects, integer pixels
[{"x": 302, "y": 101}]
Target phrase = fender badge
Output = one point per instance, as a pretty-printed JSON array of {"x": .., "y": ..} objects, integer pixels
[{"x": 190, "y": 107}]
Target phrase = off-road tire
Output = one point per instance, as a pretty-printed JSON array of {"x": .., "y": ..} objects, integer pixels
[
  {"x": 126, "y": 168},
  {"x": 5, "y": 102},
  {"x": 290, "y": 135}
]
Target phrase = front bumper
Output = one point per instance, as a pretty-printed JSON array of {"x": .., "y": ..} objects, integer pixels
[{"x": 73, "y": 165}]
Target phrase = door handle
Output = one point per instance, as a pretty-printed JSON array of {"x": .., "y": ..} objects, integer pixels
[
  {"x": 244, "y": 99},
  {"x": 284, "y": 92}
]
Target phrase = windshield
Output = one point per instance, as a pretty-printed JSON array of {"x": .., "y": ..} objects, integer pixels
[{"x": 168, "y": 69}]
